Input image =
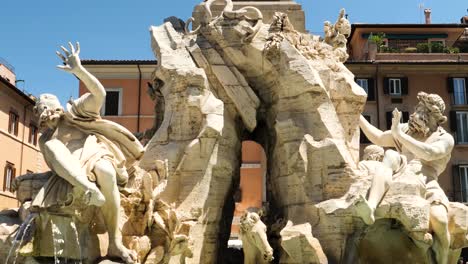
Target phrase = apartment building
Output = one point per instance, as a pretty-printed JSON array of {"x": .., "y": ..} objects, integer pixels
[
  {"x": 19, "y": 133},
  {"x": 393, "y": 62}
]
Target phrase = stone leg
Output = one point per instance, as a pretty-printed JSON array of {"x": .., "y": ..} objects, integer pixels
[
  {"x": 439, "y": 225},
  {"x": 68, "y": 167},
  {"x": 107, "y": 180},
  {"x": 381, "y": 181}
]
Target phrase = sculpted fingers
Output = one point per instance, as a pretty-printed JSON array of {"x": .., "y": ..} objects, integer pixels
[
  {"x": 77, "y": 47},
  {"x": 64, "y": 68},
  {"x": 396, "y": 115},
  {"x": 72, "y": 49},
  {"x": 67, "y": 53},
  {"x": 61, "y": 56}
]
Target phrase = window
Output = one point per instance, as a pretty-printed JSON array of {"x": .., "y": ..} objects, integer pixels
[
  {"x": 463, "y": 177},
  {"x": 457, "y": 86},
  {"x": 9, "y": 175},
  {"x": 113, "y": 104},
  {"x": 396, "y": 86},
  {"x": 32, "y": 134},
  {"x": 368, "y": 85},
  {"x": 364, "y": 84},
  {"x": 13, "y": 123},
  {"x": 459, "y": 125}
]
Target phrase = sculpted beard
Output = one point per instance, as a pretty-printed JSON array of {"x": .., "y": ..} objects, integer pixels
[
  {"x": 49, "y": 115},
  {"x": 417, "y": 124}
]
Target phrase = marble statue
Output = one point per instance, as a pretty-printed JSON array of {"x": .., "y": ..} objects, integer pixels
[
  {"x": 253, "y": 233},
  {"x": 235, "y": 77},
  {"x": 423, "y": 148},
  {"x": 87, "y": 151},
  {"x": 336, "y": 35}
]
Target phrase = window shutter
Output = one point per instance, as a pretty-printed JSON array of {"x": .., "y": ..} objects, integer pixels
[
  {"x": 457, "y": 185},
  {"x": 4, "y": 177},
  {"x": 16, "y": 124},
  {"x": 10, "y": 120},
  {"x": 386, "y": 89},
  {"x": 450, "y": 84},
  {"x": 389, "y": 116},
  {"x": 453, "y": 121},
  {"x": 371, "y": 89},
  {"x": 405, "y": 117},
  {"x": 404, "y": 86}
]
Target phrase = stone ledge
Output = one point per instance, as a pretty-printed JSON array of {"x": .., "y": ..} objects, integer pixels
[{"x": 268, "y": 8}]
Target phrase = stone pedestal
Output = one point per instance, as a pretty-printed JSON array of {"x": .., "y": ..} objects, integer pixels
[{"x": 294, "y": 10}]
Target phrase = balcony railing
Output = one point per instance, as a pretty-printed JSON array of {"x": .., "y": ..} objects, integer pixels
[
  {"x": 421, "y": 46},
  {"x": 415, "y": 51},
  {"x": 7, "y": 64}
]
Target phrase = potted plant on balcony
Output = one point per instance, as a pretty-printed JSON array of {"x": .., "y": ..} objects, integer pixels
[{"x": 375, "y": 42}]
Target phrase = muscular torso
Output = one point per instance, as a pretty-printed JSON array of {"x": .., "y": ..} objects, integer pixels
[
  {"x": 433, "y": 168},
  {"x": 73, "y": 138}
]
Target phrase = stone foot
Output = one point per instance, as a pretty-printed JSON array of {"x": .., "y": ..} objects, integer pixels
[
  {"x": 117, "y": 250},
  {"x": 423, "y": 240},
  {"x": 365, "y": 211}
]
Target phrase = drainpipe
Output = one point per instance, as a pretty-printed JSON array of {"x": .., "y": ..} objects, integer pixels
[
  {"x": 376, "y": 78},
  {"x": 139, "y": 98}
]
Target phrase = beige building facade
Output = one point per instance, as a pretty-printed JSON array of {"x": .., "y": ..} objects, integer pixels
[{"x": 19, "y": 134}]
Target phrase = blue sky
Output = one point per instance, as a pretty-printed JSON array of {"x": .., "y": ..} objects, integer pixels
[{"x": 31, "y": 31}]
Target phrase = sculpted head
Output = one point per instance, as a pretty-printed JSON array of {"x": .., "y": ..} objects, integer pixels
[
  {"x": 428, "y": 114},
  {"x": 373, "y": 152},
  {"x": 49, "y": 110},
  {"x": 254, "y": 230}
]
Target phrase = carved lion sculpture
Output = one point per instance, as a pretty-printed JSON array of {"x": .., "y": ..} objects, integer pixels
[{"x": 255, "y": 244}]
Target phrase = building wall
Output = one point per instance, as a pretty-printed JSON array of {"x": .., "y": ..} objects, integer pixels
[
  {"x": 16, "y": 149},
  {"x": 7, "y": 74},
  {"x": 129, "y": 116},
  {"x": 252, "y": 182},
  {"x": 127, "y": 78}
]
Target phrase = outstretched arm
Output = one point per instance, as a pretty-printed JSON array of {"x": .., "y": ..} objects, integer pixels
[
  {"x": 375, "y": 135},
  {"x": 91, "y": 101},
  {"x": 425, "y": 151}
]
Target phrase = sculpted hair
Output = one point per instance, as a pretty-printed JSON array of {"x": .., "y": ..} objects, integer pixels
[{"x": 435, "y": 105}]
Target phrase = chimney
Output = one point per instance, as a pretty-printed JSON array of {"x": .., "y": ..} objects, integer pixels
[{"x": 427, "y": 14}]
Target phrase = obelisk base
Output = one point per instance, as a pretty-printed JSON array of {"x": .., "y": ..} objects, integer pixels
[{"x": 294, "y": 10}]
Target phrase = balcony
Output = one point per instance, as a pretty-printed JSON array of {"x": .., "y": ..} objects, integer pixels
[
  {"x": 422, "y": 57},
  {"x": 418, "y": 51}
]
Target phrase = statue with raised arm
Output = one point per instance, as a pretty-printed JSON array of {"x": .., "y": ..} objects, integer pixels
[
  {"x": 423, "y": 149},
  {"x": 87, "y": 151}
]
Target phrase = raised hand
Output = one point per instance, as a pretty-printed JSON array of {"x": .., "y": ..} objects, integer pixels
[
  {"x": 396, "y": 130},
  {"x": 71, "y": 60}
]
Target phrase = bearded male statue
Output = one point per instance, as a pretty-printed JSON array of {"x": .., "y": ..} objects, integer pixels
[
  {"x": 423, "y": 149},
  {"x": 87, "y": 151}
]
